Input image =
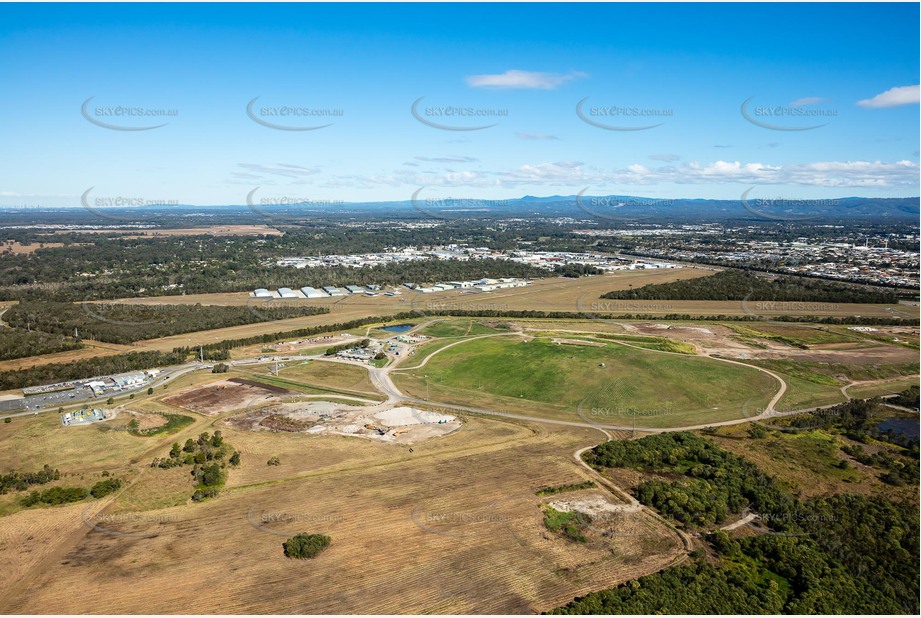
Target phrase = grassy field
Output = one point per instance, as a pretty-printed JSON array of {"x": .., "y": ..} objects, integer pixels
[
  {"x": 457, "y": 328},
  {"x": 890, "y": 387},
  {"x": 806, "y": 462},
  {"x": 611, "y": 384},
  {"x": 838, "y": 373},
  {"x": 795, "y": 335},
  {"x": 352, "y": 379},
  {"x": 410, "y": 534}
]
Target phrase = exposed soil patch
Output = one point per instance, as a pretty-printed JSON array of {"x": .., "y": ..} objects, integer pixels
[
  {"x": 400, "y": 425},
  {"x": 226, "y": 395}
]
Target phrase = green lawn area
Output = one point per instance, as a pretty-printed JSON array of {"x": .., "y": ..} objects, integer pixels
[
  {"x": 457, "y": 328},
  {"x": 884, "y": 388},
  {"x": 320, "y": 378},
  {"x": 811, "y": 384},
  {"x": 610, "y": 384},
  {"x": 802, "y": 394},
  {"x": 297, "y": 386},
  {"x": 826, "y": 373}
]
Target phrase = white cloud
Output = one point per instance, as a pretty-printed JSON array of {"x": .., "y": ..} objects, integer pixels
[
  {"x": 807, "y": 101},
  {"x": 535, "y": 136},
  {"x": 257, "y": 170},
  {"x": 449, "y": 159},
  {"x": 894, "y": 97},
  {"x": 840, "y": 174},
  {"x": 522, "y": 79}
]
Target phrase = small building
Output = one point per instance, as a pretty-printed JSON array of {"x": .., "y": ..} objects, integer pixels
[
  {"x": 286, "y": 293},
  {"x": 354, "y": 289},
  {"x": 262, "y": 293},
  {"x": 333, "y": 291}
]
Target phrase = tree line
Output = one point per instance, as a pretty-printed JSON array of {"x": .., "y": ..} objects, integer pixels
[
  {"x": 740, "y": 285},
  {"x": 21, "y": 343},
  {"x": 63, "y": 495},
  {"x": 122, "y": 323},
  {"x": 20, "y": 481}
]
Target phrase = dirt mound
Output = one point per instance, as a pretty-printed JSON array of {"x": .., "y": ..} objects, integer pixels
[
  {"x": 147, "y": 420},
  {"x": 225, "y": 396},
  {"x": 279, "y": 422}
]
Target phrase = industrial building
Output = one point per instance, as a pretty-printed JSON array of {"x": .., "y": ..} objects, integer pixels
[
  {"x": 262, "y": 293},
  {"x": 333, "y": 291},
  {"x": 123, "y": 380},
  {"x": 310, "y": 292},
  {"x": 286, "y": 293}
]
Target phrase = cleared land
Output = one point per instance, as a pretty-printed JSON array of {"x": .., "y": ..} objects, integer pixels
[
  {"x": 11, "y": 246},
  {"x": 213, "y": 230},
  {"x": 397, "y": 522},
  {"x": 226, "y": 396}
]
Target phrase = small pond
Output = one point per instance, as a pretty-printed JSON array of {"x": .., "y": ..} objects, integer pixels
[{"x": 397, "y": 328}]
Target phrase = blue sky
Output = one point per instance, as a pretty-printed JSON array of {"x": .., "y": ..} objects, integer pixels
[{"x": 687, "y": 68}]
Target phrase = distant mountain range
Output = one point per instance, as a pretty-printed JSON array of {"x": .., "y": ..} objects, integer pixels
[
  {"x": 601, "y": 208},
  {"x": 633, "y": 208}
]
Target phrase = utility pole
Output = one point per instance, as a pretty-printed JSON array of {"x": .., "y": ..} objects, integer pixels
[{"x": 201, "y": 354}]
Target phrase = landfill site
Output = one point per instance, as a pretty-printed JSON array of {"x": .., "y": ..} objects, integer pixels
[{"x": 398, "y": 425}]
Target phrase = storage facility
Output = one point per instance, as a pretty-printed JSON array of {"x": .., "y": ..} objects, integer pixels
[
  {"x": 310, "y": 292},
  {"x": 286, "y": 293}
]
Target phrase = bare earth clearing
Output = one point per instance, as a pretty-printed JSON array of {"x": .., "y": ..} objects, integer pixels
[{"x": 225, "y": 396}]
